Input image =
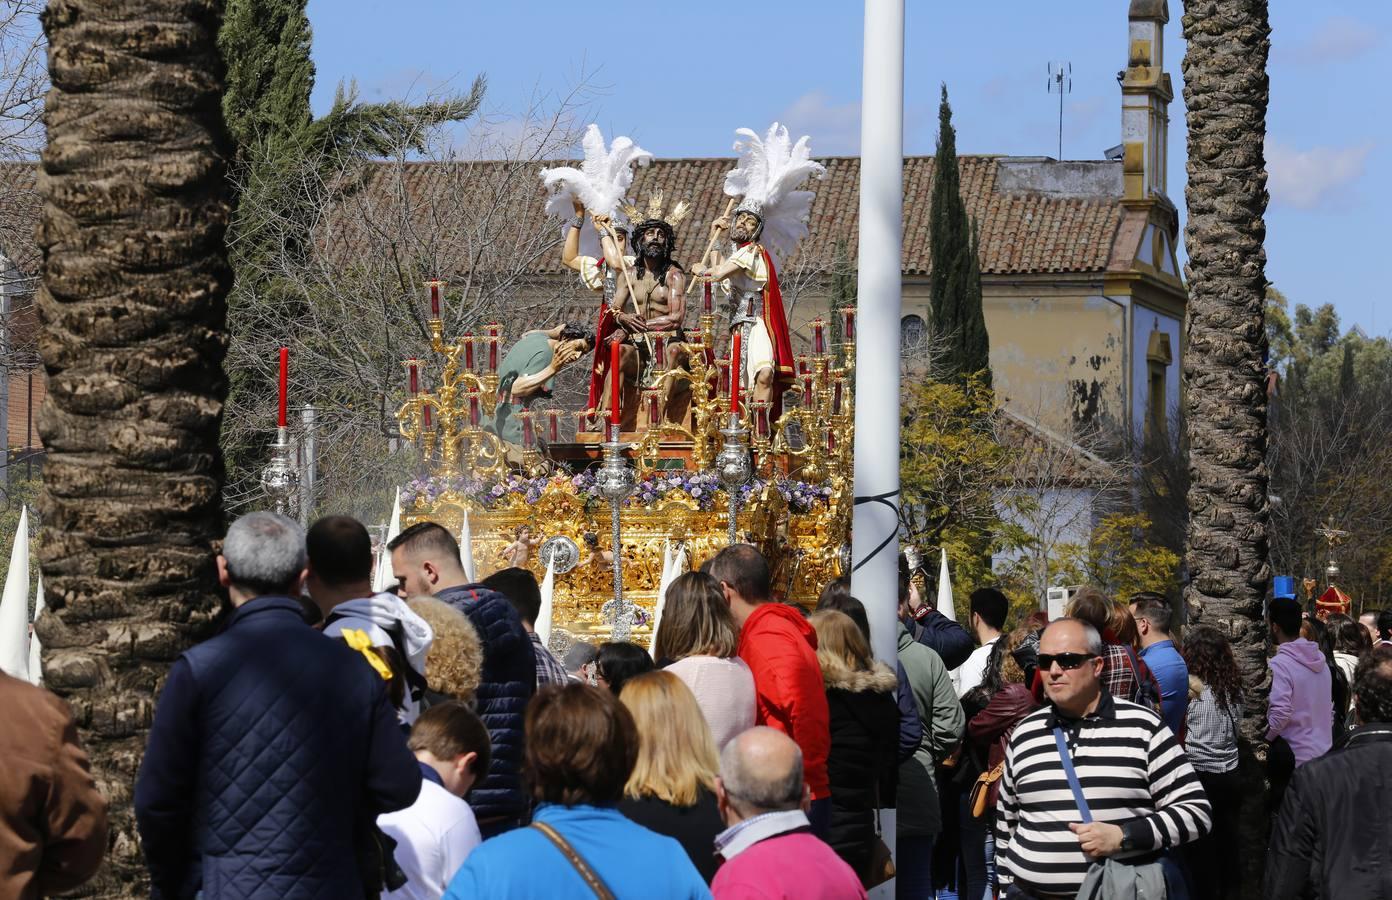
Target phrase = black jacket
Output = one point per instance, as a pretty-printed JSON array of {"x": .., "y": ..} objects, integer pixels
[
  {"x": 271, "y": 746},
  {"x": 943, "y": 636},
  {"x": 1331, "y": 836},
  {"x": 694, "y": 827},
  {"x": 864, "y": 762},
  {"x": 506, "y": 683}
]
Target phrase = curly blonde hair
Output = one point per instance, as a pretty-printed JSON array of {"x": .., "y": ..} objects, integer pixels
[{"x": 455, "y": 659}]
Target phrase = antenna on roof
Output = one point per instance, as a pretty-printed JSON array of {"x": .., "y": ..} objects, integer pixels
[{"x": 1060, "y": 82}]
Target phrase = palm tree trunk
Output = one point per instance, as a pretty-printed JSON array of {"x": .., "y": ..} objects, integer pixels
[
  {"x": 1225, "y": 94},
  {"x": 132, "y": 307}
]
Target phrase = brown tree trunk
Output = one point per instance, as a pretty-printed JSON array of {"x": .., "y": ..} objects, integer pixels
[
  {"x": 1225, "y": 94},
  {"x": 132, "y": 305}
]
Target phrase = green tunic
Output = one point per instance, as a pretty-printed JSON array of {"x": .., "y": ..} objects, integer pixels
[{"x": 531, "y": 354}]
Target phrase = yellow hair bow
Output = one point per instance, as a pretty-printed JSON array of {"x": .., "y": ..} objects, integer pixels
[{"x": 358, "y": 640}]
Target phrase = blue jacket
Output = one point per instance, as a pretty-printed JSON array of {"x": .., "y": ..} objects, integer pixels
[
  {"x": 507, "y": 682},
  {"x": 943, "y": 636},
  {"x": 1169, "y": 669},
  {"x": 271, "y": 746},
  {"x": 631, "y": 860}
]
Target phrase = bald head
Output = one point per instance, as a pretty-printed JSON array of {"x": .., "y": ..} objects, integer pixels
[{"x": 761, "y": 771}]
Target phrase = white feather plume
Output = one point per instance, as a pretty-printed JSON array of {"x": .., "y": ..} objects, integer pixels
[
  {"x": 602, "y": 180},
  {"x": 769, "y": 174}
]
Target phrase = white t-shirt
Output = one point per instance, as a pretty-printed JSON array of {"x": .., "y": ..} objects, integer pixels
[
  {"x": 970, "y": 673},
  {"x": 433, "y": 837}
]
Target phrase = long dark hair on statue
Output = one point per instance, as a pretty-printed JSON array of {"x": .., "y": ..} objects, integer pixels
[{"x": 640, "y": 258}]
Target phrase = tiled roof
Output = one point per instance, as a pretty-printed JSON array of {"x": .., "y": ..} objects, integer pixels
[{"x": 1021, "y": 232}]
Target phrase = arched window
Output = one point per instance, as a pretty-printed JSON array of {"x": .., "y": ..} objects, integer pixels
[{"x": 913, "y": 334}]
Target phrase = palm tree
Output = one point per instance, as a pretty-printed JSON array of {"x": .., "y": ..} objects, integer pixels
[
  {"x": 1225, "y": 94},
  {"x": 132, "y": 305}
]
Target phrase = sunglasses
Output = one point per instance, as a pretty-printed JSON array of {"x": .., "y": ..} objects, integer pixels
[{"x": 1066, "y": 661}]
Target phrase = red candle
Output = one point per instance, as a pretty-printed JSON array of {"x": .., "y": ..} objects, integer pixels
[
  {"x": 434, "y": 299},
  {"x": 425, "y": 407},
  {"x": 493, "y": 349},
  {"x": 808, "y": 392},
  {"x": 553, "y": 425},
  {"x": 761, "y": 419},
  {"x": 652, "y": 407},
  {"x": 724, "y": 386},
  {"x": 615, "y": 382},
  {"x": 411, "y": 368},
  {"x": 282, "y": 421},
  {"x": 659, "y": 353},
  {"x": 528, "y": 432},
  {"x": 736, "y": 376},
  {"x": 818, "y": 338},
  {"x": 836, "y": 397},
  {"x": 468, "y": 351},
  {"x": 473, "y": 408},
  {"x": 707, "y": 300},
  {"x": 848, "y": 332}
]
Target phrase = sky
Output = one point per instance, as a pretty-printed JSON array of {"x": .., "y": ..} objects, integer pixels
[{"x": 681, "y": 77}]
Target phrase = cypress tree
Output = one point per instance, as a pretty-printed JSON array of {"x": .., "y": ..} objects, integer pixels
[
  {"x": 959, "y": 324},
  {"x": 285, "y": 161}
]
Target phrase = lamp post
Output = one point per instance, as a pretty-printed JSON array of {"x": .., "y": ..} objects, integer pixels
[{"x": 615, "y": 482}]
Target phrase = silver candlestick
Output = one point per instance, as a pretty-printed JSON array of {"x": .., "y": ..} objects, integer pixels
[
  {"x": 733, "y": 468},
  {"x": 615, "y": 482},
  {"x": 279, "y": 479}
]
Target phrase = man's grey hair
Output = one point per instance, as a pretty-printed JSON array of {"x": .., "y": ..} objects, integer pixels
[
  {"x": 754, "y": 794},
  {"x": 265, "y": 551},
  {"x": 1090, "y": 635}
]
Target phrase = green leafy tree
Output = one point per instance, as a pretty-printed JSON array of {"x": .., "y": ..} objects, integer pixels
[
  {"x": 1118, "y": 559},
  {"x": 955, "y": 285},
  {"x": 289, "y": 167}
]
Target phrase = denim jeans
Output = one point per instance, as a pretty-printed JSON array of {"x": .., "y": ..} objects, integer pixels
[{"x": 913, "y": 860}]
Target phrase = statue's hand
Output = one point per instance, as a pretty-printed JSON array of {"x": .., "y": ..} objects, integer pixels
[
  {"x": 601, "y": 221},
  {"x": 720, "y": 225}
]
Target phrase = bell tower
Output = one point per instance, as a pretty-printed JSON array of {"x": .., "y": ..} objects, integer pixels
[{"x": 1145, "y": 103}]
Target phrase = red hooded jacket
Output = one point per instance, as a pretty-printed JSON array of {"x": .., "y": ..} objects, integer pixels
[{"x": 780, "y": 647}]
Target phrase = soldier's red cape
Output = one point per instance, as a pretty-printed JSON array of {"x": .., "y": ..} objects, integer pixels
[
  {"x": 605, "y": 326},
  {"x": 776, "y": 321}
]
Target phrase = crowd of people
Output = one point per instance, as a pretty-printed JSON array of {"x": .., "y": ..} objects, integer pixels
[{"x": 423, "y": 742}]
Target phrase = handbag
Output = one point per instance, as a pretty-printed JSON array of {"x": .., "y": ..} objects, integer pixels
[
  {"x": 981, "y": 790},
  {"x": 880, "y": 867},
  {"x": 601, "y": 890}
]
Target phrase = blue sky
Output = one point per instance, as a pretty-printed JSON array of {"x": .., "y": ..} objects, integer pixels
[{"x": 681, "y": 77}]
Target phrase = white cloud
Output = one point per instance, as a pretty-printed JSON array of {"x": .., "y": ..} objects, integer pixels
[
  {"x": 1336, "y": 39},
  {"x": 1306, "y": 179},
  {"x": 834, "y": 127}
]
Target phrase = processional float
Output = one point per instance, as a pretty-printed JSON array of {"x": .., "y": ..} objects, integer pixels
[{"x": 688, "y": 439}]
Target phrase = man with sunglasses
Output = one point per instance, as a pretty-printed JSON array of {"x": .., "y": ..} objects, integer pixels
[{"x": 1089, "y": 777}]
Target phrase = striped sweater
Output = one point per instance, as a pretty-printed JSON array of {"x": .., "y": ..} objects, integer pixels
[{"x": 1133, "y": 773}]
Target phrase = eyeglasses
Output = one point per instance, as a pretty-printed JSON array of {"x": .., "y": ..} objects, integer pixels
[{"x": 1066, "y": 661}]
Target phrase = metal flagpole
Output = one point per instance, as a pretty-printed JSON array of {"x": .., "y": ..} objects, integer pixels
[{"x": 876, "y": 523}]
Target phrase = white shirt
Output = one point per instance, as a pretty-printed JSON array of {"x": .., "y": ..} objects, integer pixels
[
  {"x": 970, "y": 673},
  {"x": 433, "y": 837}
]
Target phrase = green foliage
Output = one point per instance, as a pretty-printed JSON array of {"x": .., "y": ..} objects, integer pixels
[
  {"x": 843, "y": 296},
  {"x": 1119, "y": 560},
  {"x": 289, "y": 170},
  {"x": 949, "y": 468},
  {"x": 955, "y": 285}
]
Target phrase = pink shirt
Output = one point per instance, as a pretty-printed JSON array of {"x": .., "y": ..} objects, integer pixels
[
  {"x": 796, "y": 866},
  {"x": 724, "y": 690}
]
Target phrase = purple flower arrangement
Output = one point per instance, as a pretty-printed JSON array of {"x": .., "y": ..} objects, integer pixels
[{"x": 702, "y": 487}]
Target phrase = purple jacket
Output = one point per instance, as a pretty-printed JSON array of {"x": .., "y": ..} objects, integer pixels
[{"x": 1299, "y": 709}]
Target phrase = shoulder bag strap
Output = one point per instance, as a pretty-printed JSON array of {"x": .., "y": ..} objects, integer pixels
[
  {"x": 1067, "y": 759},
  {"x": 601, "y": 890}
]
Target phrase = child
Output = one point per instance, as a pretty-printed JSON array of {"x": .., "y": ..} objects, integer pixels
[{"x": 437, "y": 833}]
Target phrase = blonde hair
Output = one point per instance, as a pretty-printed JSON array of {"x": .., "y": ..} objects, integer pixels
[
  {"x": 676, "y": 753},
  {"x": 696, "y": 620},
  {"x": 841, "y": 646},
  {"x": 454, "y": 662}
]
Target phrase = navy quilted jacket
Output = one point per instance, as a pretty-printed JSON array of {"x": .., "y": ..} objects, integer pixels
[
  {"x": 507, "y": 682},
  {"x": 270, "y": 742}
]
